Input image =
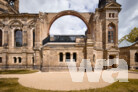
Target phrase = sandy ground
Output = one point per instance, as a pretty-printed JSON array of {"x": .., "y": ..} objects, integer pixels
[{"x": 58, "y": 81}]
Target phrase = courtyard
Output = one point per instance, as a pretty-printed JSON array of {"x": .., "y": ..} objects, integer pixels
[{"x": 58, "y": 81}]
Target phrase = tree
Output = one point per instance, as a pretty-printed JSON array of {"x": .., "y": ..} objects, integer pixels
[{"x": 131, "y": 37}]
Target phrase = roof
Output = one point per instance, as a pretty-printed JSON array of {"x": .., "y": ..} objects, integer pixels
[{"x": 126, "y": 43}]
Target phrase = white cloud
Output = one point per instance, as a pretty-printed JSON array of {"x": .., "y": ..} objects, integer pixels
[
  {"x": 127, "y": 18},
  {"x": 34, "y": 6},
  {"x": 68, "y": 25}
]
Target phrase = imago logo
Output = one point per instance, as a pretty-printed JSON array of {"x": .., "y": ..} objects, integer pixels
[{"x": 94, "y": 76}]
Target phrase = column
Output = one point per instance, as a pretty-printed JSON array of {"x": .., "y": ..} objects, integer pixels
[
  {"x": 64, "y": 57},
  {"x": 37, "y": 32},
  {"x": 25, "y": 35},
  {"x": 71, "y": 57},
  {"x": 5, "y": 36},
  {"x": 116, "y": 37},
  {"x": 11, "y": 38}
]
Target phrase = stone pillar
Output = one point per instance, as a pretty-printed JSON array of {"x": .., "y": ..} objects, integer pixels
[
  {"x": 37, "y": 32},
  {"x": 24, "y": 59},
  {"x": 25, "y": 36},
  {"x": 30, "y": 38},
  {"x": 6, "y": 29},
  {"x": 116, "y": 37},
  {"x": 64, "y": 57},
  {"x": 11, "y": 40},
  {"x": 71, "y": 57},
  {"x": 89, "y": 49},
  {"x": 37, "y": 59},
  {"x": 5, "y": 38}
]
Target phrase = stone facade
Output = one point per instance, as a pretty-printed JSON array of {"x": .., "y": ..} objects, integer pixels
[
  {"x": 28, "y": 50},
  {"x": 130, "y": 54}
]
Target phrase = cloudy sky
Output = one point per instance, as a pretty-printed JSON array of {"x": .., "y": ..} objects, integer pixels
[{"x": 65, "y": 25}]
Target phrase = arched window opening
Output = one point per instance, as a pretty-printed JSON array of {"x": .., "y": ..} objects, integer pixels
[
  {"x": 0, "y": 38},
  {"x": 110, "y": 15},
  {"x": 20, "y": 60},
  {"x": 67, "y": 57},
  {"x": 15, "y": 60},
  {"x": 136, "y": 57},
  {"x": 111, "y": 57},
  {"x": 61, "y": 57},
  {"x": 113, "y": 15},
  {"x": 18, "y": 38},
  {"x": 111, "y": 31},
  {"x": 33, "y": 38},
  {"x": 0, "y": 59},
  {"x": 75, "y": 57}
]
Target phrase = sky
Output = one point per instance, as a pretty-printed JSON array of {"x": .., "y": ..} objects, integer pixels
[{"x": 65, "y": 25}]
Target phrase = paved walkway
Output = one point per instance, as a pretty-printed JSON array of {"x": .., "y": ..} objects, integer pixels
[{"x": 58, "y": 81}]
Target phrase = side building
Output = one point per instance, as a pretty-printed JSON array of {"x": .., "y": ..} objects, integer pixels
[{"x": 129, "y": 52}]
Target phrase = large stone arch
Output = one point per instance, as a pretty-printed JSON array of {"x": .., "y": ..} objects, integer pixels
[{"x": 68, "y": 12}]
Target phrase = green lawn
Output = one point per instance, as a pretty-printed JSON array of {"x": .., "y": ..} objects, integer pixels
[
  {"x": 17, "y": 71},
  {"x": 134, "y": 70},
  {"x": 12, "y": 85}
]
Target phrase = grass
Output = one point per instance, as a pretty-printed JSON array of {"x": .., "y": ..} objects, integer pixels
[
  {"x": 17, "y": 71},
  {"x": 12, "y": 85},
  {"x": 134, "y": 70}
]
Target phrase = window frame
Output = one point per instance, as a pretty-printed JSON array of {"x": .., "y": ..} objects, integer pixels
[
  {"x": 61, "y": 57},
  {"x": 18, "y": 38},
  {"x": 111, "y": 33}
]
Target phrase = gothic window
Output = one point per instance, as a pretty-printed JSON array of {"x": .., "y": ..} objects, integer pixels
[
  {"x": 0, "y": 38},
  {"x": 33, "y": 38},
  {"x": 0, "y": 59},
  {"x": 67, "y": 57},
  {"x": 20, "y": 60},
  {"x": 136, "y": 57},
  {"x": 15, "y": 60},
  {"x": 111, "y": 31},
  {"x": 61, "y": 57},
  {"x": 75, "y": 57},
  {"x": 18, "y": 38}
]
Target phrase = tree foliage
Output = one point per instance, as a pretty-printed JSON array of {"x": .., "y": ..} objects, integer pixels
[{"x": 131, "y": 37}]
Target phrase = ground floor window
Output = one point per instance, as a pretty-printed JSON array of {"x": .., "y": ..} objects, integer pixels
[
  {"x": 67, "y": 57},
  {"x": 61, "y": 57},
  {"x": 75, "y": 57},
  {"x": 20, "y": 60},
  {"x": 136, "y": 57},
  {"x": 15, "y": 60},
  {"x": 0, "y": 59}
]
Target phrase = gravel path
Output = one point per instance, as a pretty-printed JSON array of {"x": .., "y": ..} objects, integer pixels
[{"x": 58, "y": 81}]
